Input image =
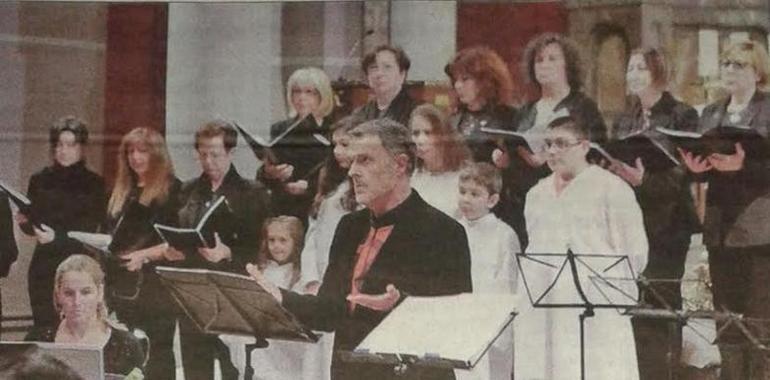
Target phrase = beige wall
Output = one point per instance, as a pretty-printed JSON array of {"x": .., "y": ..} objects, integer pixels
[{"x": 51, "y": 64}]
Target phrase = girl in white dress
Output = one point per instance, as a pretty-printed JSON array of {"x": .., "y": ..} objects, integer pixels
[{"x": 441, "y": 152}]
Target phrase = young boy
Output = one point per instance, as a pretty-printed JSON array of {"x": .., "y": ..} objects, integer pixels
[
  {"x": 493, "y": 245},
  {"x": 588, "y": 210}
]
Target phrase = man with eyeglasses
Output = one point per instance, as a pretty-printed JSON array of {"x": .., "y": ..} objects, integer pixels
[
  {"x": 583, "y": 208},
  {"x": 237, "y": 241}
]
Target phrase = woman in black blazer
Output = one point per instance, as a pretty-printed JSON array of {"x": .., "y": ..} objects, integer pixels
[
  {"x": 736, "y": 228},
  {"x": 65, "y": 196},
  {"x": 665, "y": 199},
  {"x": 8, "y": 249},
  {"x": 305, "y": 145}
]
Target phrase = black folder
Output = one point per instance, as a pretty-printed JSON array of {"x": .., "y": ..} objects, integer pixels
[
  {"x": 202, "y": 235},
  {"x": 22, "y": 203},
  {"x": 720, "y": 140},
  {"x": 228, "y": 303},
  {"x": 655, "y": 157},
  {"x": 288, "y": 146}
]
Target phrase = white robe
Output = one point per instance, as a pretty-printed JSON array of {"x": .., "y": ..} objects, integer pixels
[
  {"x": 596, "y": 213},
  {"x": 320, "y": 233},
  {"x": 441, "y": 190},
  {"x": 493, "y": 246}
]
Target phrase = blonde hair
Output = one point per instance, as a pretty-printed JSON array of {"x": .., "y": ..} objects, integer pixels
[
  {"x": 159, "y": 176},
  {"x": 297, "y": 235},
  {"x": 85, "y": 264},
  {"x": 753, "y": 53},
  {"x": 311, "y": 77}
]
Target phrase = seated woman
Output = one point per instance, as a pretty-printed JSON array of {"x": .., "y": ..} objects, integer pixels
[
  {"x": 440, "y": 152},
  {"x": 587, "y": 210},
  {"x": 79, "y": 297}
]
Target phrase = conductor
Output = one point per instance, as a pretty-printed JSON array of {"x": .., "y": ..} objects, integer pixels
[{"x": 397, "y": 245}]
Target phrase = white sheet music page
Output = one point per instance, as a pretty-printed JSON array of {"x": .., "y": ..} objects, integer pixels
[{"x": 457, "y": 328}]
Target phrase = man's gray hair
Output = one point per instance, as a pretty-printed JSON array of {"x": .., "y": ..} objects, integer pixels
[{"x": 395, "y": 138}]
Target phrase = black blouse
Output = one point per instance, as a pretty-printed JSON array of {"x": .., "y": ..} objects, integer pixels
[{"x": 122, "y": 354}]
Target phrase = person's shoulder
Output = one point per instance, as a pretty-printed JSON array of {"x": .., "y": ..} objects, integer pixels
[
  {"x": 605, "y": 178},
  {"x": 432, "y": 217}
]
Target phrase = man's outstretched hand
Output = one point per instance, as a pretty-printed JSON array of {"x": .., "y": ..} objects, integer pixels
[{"x": 379, "y": 302}]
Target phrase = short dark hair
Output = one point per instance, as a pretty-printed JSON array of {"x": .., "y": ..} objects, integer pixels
[
  {"x": 574, "y": 125},
  {"x": 572, "y": 63},
  {"x": 216, "y": 128},
  {"x": 68, "y": 124},
  {"x": 401, "y": 58},
  {"x": 395, "y": 138},
  {"x": 27, "y": 362},
  {"x": 655, "y": 61}
]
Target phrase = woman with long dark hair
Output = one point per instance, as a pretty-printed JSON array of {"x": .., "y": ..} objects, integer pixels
[{"x": 145, "y": 192}]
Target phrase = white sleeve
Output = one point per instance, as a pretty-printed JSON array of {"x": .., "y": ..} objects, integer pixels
[
  {"x": 309, "y": 256},
  {"x": 627, "y": 225},
  {"x": 509, "y": 270}
]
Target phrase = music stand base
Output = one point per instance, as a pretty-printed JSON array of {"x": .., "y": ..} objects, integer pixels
[{"x": 248, "y": 373}]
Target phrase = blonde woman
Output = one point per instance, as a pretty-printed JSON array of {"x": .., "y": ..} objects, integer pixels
[
  {"x": 145, "y": 192},
  {"x": 79, "y": 298},
  {"x": 305, "y": 144}
]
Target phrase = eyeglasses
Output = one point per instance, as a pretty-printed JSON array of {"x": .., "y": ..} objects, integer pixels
[
  {"x": 737, "y": 65},
  {"x": 560, "y": 144}
]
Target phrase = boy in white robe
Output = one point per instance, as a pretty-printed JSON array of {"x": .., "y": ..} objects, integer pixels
[
  {"x": 493, "y": 245},
  {"x": 585, "y": 209}
]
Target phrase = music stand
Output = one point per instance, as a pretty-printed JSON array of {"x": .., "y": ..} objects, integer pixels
[
  {"x": 591, "y": 281},
  {"x": 228, "y": 303},
  {"x": 441, "y": 343}
]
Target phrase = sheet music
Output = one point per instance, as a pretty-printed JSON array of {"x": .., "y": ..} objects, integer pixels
[{"x": 457, "y": 328}]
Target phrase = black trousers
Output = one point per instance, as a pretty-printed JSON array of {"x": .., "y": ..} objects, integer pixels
[
  {"x": 741, "y": 284},
  {"x": 154, "y": 312},
  {"x": 199, "y": 351}
]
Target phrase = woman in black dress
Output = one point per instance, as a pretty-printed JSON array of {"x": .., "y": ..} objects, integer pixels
[
  {"x": 666, "y": 202},
  {"x": 145, "y": 192},
  {"x": 305, "y": 143},
  {"x": 65, "y": 196}
]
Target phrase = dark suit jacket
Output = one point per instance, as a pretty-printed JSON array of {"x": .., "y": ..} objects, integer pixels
[
  {"x": 664, "y": 196},
  {"x": 8, "y": 249},
  {"x": 426, "y": 254},
  {"x": 399, "y": 109},
  {"x": 738, "y": 203},
  {"x": 249, "y": 204}
]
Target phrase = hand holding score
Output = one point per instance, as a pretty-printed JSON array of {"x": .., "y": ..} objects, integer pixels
[
  {"x": 728, "y": 162},
  {"x": 280, "y": 172},
  {"x": 695, "y": 164},
  {"x": 634, "y": 175},
  {"x": 220, "y": 251},
  {"x": 379, "y": 302}
]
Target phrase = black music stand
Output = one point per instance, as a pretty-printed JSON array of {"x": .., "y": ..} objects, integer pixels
[
  {"x": 441, "y": 343},
  {"x": 228, "y": 303},
  {"x": 593, "y": 281}
]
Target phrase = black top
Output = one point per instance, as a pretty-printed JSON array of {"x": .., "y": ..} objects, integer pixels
[
  {"x": 426, "y": 254},
  {"x": 469, "y": 123},
  {"x": 122, "y": 353},
  {"x": 8, "y": 249},
  {"x": 737, "y": 203},
  {"x": 301, "y": 149},
  {"x": 664, "y": 196},
  {"x": 399, "y": 109},
  {"x": 132, "y": 229},
  {"x": 249, "y": 204},
  {"x": 66, "y": 199}
]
